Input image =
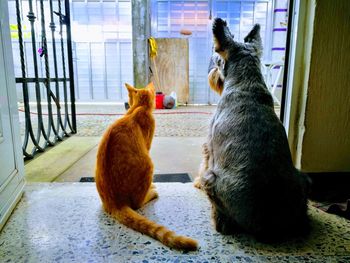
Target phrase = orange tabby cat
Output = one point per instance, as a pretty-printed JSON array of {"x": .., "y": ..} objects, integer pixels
[{"x": 124, "y": 169}]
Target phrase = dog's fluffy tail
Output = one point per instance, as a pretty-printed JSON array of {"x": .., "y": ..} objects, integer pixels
[{"x": 132, "y": 219}]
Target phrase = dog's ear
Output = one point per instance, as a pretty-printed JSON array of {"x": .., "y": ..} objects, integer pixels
[
  {"x": 223, "y": 39},
  {"x": 254, "y": 38}
]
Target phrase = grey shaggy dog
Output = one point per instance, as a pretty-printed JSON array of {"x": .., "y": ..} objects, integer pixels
[{"x": 249, "y": 175}]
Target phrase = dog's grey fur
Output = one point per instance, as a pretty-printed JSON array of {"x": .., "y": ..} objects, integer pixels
[{"x": 251, "y": 181}]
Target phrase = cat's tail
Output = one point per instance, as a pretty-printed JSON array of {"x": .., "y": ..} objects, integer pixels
[{"x": 132, "y": 219}]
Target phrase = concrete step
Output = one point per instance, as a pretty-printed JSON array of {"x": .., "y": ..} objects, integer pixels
[
  {"x": 76, "y": 156},
  {"x": 64, "y": 222},
  {"x": 169, "y": 155},
  {"x": 48, "y": 166}
]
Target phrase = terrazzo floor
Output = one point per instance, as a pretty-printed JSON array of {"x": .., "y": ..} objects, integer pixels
[{"x": 64, "y": 222}]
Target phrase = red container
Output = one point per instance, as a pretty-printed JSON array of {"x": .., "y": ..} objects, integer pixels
[{"x": 159, "y": 100}]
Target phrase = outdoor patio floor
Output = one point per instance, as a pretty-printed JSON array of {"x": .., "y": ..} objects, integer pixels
[
  {"x": 75, "y": 158},
  {"x": 64, "y": 222}
]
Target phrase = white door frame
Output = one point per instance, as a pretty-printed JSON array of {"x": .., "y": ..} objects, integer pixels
[
  {"x": 12, "y": 188},
  {"x": 298, "y": 75}
]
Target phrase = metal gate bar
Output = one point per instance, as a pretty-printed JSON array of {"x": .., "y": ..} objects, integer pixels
[{"x": 65, "y": 125}]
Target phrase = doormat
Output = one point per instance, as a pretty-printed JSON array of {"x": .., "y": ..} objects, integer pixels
[
  {"x": 157, "y": 178},
  {"x": 172, "y": 178},
  {"x": 87, "y": 180}
]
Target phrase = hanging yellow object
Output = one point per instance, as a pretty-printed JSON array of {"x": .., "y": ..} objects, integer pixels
[{"x": 152, "y": 47}]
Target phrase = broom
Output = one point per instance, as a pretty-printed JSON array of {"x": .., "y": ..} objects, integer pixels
[{"x": 153, "y": 53}]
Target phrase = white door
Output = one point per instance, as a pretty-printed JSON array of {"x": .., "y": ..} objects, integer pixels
[
  {"x": 7, "y": 155},
  {"x": 11, "y": 157}
]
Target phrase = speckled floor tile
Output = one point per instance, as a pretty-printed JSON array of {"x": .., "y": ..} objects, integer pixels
[{"x": 64, "y": 222}]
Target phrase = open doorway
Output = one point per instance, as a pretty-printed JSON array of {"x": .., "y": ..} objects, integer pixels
[
  {"x": 102, "y": 64},
  {"x": 64, "y": 222}
]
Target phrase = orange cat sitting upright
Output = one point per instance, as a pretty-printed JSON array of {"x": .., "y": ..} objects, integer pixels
[{"x": 124, "y": 169}]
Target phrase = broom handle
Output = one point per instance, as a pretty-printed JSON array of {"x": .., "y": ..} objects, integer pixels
[{"x": 156, "y": 73}]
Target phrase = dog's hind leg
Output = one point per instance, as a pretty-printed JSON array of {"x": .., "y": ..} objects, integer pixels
[{"x": 223, "y": 223}]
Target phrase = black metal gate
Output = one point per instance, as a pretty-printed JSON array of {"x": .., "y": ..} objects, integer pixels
[{"x": 48, "y": 99}]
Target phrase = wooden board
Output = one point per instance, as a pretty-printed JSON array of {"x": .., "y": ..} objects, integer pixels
[{"x": 172, "y": 63}]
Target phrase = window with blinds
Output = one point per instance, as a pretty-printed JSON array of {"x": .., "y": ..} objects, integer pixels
[
  {"x": 102, "y": 46},
  {"x": 102, "y": 33},
  {"x": 99, "y": 74}
]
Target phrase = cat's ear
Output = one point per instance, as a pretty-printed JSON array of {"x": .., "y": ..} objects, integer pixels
[
  {"x": 223, "y": 39},
  {"x": 130, "y": 88},
  {"x": 254, "y": 38},
  {"x": 131, "y": 93},
  {"x": 151, "y": 87}
]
